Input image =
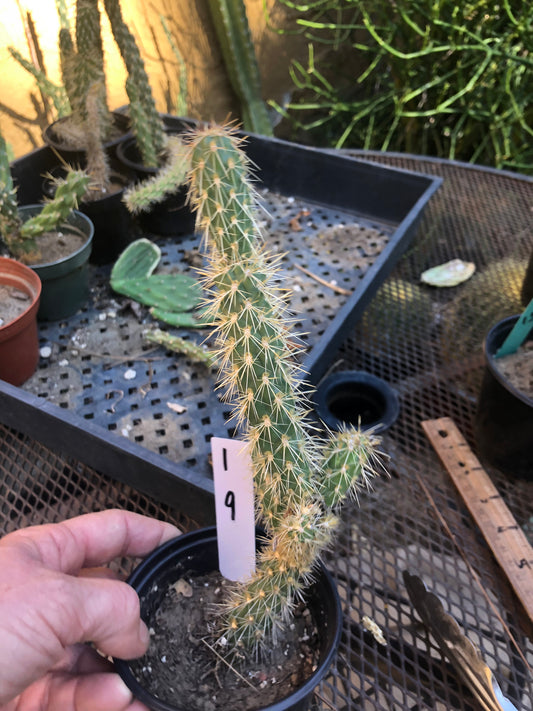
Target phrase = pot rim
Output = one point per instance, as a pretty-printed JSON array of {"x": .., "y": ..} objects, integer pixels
[
  {"x": 79, "y": 254},
  {"x": 494, "y": 339},
  {"x": 162, "y": 555},
  {"x": 24, "y": 277}
]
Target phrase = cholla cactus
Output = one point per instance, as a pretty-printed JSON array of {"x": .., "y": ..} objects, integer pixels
[
  {"x": 19, "y": 236},
  {"x": 300, "y": 479},
  {"x": 82, "y": 66}
]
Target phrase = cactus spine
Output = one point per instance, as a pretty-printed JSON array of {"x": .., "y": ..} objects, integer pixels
[{"x": 299, "y": 481}]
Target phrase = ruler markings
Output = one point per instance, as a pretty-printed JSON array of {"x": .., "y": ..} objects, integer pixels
[{"x": 504, "y": 536}]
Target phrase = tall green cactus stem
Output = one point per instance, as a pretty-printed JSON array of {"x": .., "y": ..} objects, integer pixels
[
  {"x": 233, "y": 32},
  {"x": 147, "y": 124},
  {"x": 144, "y": 195},
  {"x": 295, "y": 474}
]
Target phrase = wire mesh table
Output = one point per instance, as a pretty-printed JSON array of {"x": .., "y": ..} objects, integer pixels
[{"x": 426, "y": 342}]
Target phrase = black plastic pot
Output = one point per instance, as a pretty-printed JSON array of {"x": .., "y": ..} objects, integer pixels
[
  {"x": 356, "y": 398},
  {"x": 196, "y": 553},
  {"x": 114, "y": 228},
  {"x": 65, "y": 282},
  {"x": 504, "y": 417},
  {"x": 75, "y": 156},
  {"x": 172, "y": 215}
]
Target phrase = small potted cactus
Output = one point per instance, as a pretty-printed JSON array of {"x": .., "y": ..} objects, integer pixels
[
  {"x": 54, "y": 239},
  {"x": 83, "y": 73},
  {"x": 301, "y": 475},
  {"x": 156, "y": 158}
]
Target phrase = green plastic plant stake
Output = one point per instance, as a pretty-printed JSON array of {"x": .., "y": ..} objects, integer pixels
[{"x": 518, "y": 333}]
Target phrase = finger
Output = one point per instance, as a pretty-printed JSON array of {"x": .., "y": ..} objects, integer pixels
[
  {"x": 104, "y": 612},
  {"x": 93, "y": 539},
  {"x": 82, "y": 659},
  {"x": 94, "y": 692},
  {"x": 100, "y": 572}
]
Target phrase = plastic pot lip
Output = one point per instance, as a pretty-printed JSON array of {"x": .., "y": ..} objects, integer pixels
[
  {"x": 73, "y": 260},
  {"x": 336, "y": 381},
  {"x": 22, "y": 277},
  {"x": 494, "y": 339},
  {"x": 120, "y": 120},
  {"x": 186, "y": 543}
]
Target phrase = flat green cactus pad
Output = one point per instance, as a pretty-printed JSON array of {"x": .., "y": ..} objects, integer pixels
[{"x": 172, "y": 296}]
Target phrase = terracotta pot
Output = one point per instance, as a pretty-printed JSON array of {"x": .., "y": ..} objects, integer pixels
[
  {"x": 65, "y": 282},
  {"x": 195, "y": 554},
  {"x": 19, "y": 341}
]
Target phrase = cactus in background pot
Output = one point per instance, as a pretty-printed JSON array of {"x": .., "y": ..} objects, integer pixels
[
  {"x": 19, "y": 236},
  {"x": 300, "y": 478},
  {"x": 146, "y": 122}
]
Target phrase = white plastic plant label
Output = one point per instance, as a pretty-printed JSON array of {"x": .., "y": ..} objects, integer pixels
[{"x": 234, "y": 507}]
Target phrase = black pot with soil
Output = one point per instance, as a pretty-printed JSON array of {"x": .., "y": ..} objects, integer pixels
[
  {"x": 75, "y": 155},
  {"x": 504, "y": 417},
  {"x": 172, "y": 216},
  {"x": 179, "y": 587}
]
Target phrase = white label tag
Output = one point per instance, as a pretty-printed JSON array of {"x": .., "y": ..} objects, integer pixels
[{"x": 234, "y": 507}]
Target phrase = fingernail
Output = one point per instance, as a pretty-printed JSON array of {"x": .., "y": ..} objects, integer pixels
[
  {"x": 121, "y": 693},
  {"x": 144, "y": 634}
]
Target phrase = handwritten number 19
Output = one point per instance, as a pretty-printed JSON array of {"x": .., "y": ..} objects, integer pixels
[{"x": 229, "y": 501}]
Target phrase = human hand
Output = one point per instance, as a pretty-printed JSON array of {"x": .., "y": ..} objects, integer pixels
[{"x": 54, "y": 598}]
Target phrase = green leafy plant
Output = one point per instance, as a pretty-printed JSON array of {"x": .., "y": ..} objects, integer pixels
[
  {"x": 300, "y": 478},
  {"x": 440, "y": 78},
  {"x": 19, "y": 236}
]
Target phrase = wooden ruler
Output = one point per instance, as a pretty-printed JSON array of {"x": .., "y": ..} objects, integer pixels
[{"x": 502, "y": 533}]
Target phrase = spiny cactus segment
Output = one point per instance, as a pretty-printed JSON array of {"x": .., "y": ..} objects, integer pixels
[
  {"x": 20, "y": 236},
  {"x": 299, "y": 479},
  {"x": 182, "y": 346},
  {"x": 145, "y": 195}
]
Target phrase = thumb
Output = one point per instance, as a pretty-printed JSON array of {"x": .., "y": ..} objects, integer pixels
[{"x": 91, "y": 692}]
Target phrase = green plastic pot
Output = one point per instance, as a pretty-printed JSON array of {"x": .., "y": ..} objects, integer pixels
[
  {"x": 19, "y": 339},
  {"x": 65, "y": 282}
]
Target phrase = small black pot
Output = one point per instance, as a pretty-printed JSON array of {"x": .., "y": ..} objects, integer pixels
[
  {"x": 75, "y": 156},
  {"x": 504, "y": 419},
  {"x": 196, "y": 553},
  {"x": 356, "y": 398},
  {"x": 172, "y": 216}
]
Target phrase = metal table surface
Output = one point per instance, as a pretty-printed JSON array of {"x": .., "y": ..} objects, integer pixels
[{"x": 426, "y": 342}]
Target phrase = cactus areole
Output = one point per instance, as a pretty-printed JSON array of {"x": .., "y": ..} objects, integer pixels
[{"x": 300, "y": 476}]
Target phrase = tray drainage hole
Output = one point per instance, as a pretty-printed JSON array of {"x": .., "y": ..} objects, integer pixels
[{"x": 351, "y": 397}]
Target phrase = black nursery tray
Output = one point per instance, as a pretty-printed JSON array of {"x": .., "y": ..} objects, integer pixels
[{"x": 146, "y": 416}]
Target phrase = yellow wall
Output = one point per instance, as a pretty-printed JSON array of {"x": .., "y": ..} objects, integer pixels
[{"x": 209, "y": 92}]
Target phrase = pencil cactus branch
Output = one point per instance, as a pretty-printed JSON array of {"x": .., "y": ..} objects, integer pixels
[
  {"x": 147, "y": 124},
  {"x": 233, "y": 32},
  {"x": 259, "y": 371}
]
